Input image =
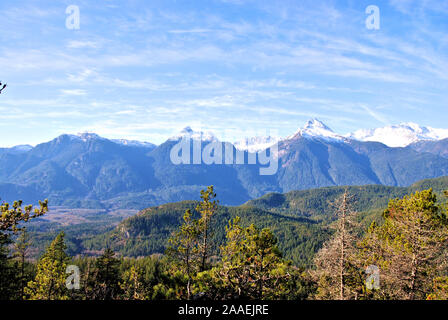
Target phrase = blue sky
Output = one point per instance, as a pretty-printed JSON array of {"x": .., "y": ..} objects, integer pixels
[{"x": 144, "y": 69}]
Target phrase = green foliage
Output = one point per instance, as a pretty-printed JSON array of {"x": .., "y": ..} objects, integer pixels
[
  {"x": 409, "y": 249},
  {"x": 107, "y": 275},
  {"x": 252, "y": 265},
  {"x": 49, "y": 283},
  {"x": 12, "y": 277},
  {"x": 206, "y": 208},
  {"x": 190, "y": 245},
  {"x": 253, "y": 252},
  {"x": 411, "y": 246},
  {"x": 11, "y": 217},
  {"x": 184, "y": 249}
]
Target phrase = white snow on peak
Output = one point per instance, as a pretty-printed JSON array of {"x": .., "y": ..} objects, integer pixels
[
  {"x": 88, "y": 136},
  {"x": 256, "y": 144},
  {"x": 316, "y": 129},
  {"x": 133, "y": 143},
  {"x": 194, "y": 135},
  {"x": 400, "y": 135},
  {"x": 22, "y": 148}
]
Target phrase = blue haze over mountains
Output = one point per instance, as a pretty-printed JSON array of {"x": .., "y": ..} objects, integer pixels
[{"x": 91, "y": 171}]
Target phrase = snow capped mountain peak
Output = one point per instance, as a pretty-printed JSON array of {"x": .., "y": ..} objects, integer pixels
[
  {"x": 316, "y": 123},
  {"x": 315, "y": 128},
  {"x": 400, "y": 135},
  {"x": 256, "y": 144},
  {"x": 196, "y": 135},
  {"x": 88, "y": 136}
]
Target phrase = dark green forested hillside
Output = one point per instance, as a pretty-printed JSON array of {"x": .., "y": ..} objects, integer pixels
[
  {"x": 299, "y": 219},
  {"x": 148, "y": 232}
]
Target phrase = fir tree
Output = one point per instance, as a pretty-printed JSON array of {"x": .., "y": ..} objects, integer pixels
[
  {"x": 49, "y": 283},
  {"x": 21, "y": 247},
  {"x": 107, "y": 275}
]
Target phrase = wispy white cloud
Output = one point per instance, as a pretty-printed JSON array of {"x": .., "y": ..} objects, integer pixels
[
  {"x": 74, "y": 92},
  {"x": 77, "y": 44},
  {"x": 233, "y": 63}
]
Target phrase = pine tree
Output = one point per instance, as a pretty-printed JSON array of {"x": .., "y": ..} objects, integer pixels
[
  {"x": 107, "y": 275},
  {"x": 184, "y": 249},
  {"x": 7, "y": 272},
  {"x": 336, "y": 269},
  {"x": 252, "y": 266},
  {"x": 410, "y": 247},
  {"x": 21, "y": 247},
  {"x": 133, "y": 285},
  {"x": 49, "y": 283},
  {"x": 10, "y": 218},
  {"x": 207, "y": 209},
  {"x": 190, "y": 246}
]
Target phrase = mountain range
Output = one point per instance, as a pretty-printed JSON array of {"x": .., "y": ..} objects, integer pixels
[{"x": 87, "y": 170}]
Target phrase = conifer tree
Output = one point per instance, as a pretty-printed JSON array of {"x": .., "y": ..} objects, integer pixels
[
  {"x": 7, "y": 272},
  {"x": 252, "y": 266},
  {"x": 184, "y": 249},
  {"x": 107, "y": 275},
  {"x": 410, "y": 247},
  {"x": 207, "y": 209},
  {"x": 133, "y": 285},
  {"x": 10, "y": 218},
  {"x": 21, "y": 247},
  {"x": 49, "y": 283},
  {"x": 336, "y": 269},
  {"x": 190, "y": 246}
]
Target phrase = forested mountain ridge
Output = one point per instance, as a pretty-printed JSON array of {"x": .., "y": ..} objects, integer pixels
[{"x": 299, "y": 219}]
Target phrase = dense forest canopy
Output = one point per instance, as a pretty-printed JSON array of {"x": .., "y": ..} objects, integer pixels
[{"x": 369, "y": 242}]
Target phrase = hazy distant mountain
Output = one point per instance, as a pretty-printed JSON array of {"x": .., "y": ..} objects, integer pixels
[
  {"x": 88, "y": 170},
  {"x": 16, "y": 149},
  {"x": 435, "y": 147},
  {"x": 134, "y": 143},
  {"x": 399, "y": 135}
]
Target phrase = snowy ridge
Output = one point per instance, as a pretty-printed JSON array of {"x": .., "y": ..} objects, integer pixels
[
  {"x": 133, "y": 143},
  {"x": 194, "y": 135},
  {"x": 256, "y": 144},
  {"x": 400, "y": 135}
]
